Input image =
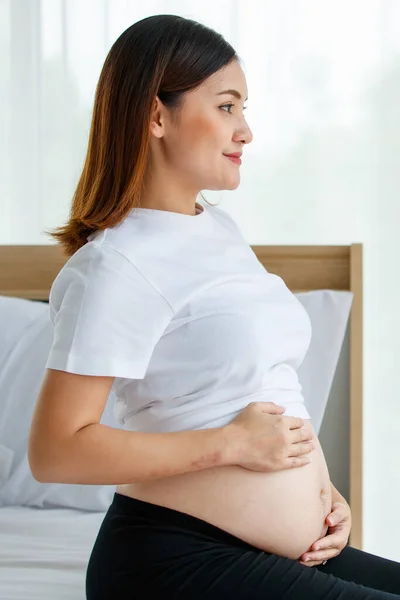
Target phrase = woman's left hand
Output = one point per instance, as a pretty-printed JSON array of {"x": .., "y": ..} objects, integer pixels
[{"x": 339, "y": 522}]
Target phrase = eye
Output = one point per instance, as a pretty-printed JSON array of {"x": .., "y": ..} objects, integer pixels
[{"x": 230, "y": 106}]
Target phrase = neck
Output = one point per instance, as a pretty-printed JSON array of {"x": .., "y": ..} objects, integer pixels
[{"x": 167, "y": 193}]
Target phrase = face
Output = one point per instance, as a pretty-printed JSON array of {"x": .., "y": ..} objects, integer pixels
[{"x": 210, "y": 124}]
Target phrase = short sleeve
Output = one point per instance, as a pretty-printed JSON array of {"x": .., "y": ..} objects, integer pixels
[{"x": 107, "y": 316}]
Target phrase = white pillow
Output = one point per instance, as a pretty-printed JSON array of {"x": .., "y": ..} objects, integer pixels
[
  {"x": 16, "y": 316},
  {"x": 20, "y": 380},
  {"x": 329, "y": 313},
  {"x": 22, "y": 373}
]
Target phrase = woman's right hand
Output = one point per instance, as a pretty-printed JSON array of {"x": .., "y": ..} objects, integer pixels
[{"x": 263, "y": 439}]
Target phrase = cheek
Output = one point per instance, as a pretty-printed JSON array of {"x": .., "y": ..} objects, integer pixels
[{"x": 204, "y": 133}]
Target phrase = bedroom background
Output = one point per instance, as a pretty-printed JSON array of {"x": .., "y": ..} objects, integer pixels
[{"x": 323, "y": 168}]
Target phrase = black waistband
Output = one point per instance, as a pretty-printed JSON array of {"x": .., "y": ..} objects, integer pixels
[{"x": 170, "y": 517}]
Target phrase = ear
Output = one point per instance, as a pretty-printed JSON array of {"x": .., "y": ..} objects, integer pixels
[{"x": 157, "y": 118}]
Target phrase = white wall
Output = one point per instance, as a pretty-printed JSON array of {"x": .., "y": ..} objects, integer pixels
[{"x": 324, "y": 106}]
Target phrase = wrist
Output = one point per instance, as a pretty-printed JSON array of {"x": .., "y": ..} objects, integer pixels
[{"x": 230, "y": 445}]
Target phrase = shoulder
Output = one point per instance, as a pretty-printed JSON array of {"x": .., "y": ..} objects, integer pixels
[
  {"x": 100, "y": 270},
  {"x": 107, "y": 316},
  {"x": 93, "y": 261}
]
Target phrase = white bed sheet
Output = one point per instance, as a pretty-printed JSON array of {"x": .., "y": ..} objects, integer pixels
[{"x": 44, "y": 552}]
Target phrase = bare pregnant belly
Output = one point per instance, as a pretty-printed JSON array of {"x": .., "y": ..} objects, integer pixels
[{"x": 282, "y": 512}]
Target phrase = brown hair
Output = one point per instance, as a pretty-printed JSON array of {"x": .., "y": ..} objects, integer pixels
[{"x": 161, "y": 55}]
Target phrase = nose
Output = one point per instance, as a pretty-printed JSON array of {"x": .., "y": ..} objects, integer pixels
[{"x": 244, "y": 134}]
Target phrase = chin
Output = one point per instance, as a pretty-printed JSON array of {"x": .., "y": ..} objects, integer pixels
[
  {"x": 224, "y": 183},
  {"x": 234, "y": 185}
]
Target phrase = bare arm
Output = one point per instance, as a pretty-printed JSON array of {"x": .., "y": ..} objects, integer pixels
[
  {"x": 67, "y": 444},
  {"x": 97, "y": 454}
]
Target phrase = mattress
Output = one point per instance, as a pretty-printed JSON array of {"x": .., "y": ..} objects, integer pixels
[{"x": 44, "y": 552}]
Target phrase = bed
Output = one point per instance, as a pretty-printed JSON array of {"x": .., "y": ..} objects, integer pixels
[{"x": 44, "y": 551}]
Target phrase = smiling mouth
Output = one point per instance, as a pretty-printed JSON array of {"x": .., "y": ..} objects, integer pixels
[{"x": 234, "y": 159}]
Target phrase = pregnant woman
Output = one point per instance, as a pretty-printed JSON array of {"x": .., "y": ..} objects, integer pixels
[{"x": 222, "y": 486}]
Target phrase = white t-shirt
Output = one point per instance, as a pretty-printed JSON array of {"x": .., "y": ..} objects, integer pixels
[{"x": 182, "y": 313}]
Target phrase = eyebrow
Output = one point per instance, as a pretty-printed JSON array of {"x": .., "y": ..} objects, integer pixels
[{"x": 232, "y": 93}]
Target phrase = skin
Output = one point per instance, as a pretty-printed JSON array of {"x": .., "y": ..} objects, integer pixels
[
  {"x": 339, "y": 522},
  {"x": 187, "y": 148}
]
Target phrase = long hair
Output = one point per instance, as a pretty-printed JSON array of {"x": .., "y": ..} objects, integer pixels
[{"x": 161, "y": 55}]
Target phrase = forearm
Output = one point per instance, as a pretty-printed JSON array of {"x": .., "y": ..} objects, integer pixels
[{"x": 101, "y": 455}]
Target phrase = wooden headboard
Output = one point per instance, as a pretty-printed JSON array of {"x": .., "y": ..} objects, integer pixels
[{"x": 28, "y": 272}]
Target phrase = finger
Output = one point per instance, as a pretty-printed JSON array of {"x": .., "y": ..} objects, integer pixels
[
  {"x": 301, "y": 435},
  {"x": 272, "y": 408},
  {"x": 295, "y": 462},
  {"x": 301, "y": 449},
  {"x": 333, "y": 540},
  {"x": 305, "y": 564},
  {"x": 338, "y": 514},
  {"x": 295, "y": 422},
  {"x": 320, "y": 556},
  {"x": 310, "y": 564}
]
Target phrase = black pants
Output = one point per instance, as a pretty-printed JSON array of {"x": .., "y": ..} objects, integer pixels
[{"x": 148, "y": 551}]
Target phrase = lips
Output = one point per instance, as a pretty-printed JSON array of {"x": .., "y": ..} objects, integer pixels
[
  {"x": 234, "y": 158},
  {"x": 234, "y": 154}
]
